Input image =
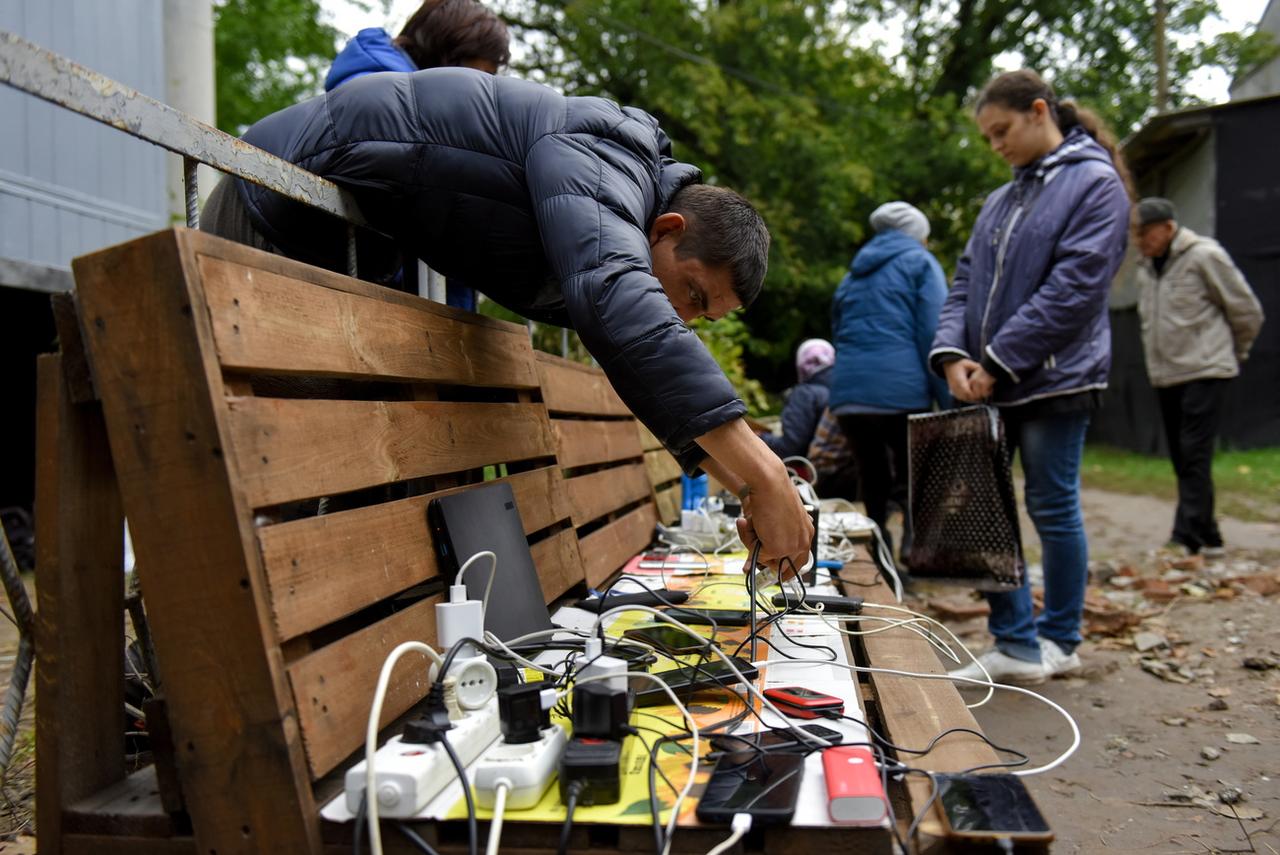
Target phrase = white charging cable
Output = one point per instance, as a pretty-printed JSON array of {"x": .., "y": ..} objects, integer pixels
[
  {"x": 741, "y": 824},
  {"x": 371, "y": 735},
  {"x": 493, "y": 572},
  {"x": 495, "y": 824}
]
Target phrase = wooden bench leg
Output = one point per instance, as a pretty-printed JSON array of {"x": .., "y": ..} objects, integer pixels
[{"x": 80, "y": 597}]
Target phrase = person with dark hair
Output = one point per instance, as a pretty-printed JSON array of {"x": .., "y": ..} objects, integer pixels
[
  {"x": 883, "y": 317},
  {"x": 1025, "y": 326},
  {"x": 566, "y": 210},
  {"x": 441, "y": 33},
  {"x": 1199, "y": 320}
]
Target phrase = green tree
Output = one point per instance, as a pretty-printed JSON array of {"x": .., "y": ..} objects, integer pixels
[{"x": 269, "y": 54}]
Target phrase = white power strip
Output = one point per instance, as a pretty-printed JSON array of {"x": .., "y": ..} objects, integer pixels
[
  {"x": 528, "y": 768},
  {"x": 409, "y": 776}
]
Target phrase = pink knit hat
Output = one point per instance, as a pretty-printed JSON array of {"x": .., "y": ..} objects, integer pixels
[{"x": 812, "y": 356}]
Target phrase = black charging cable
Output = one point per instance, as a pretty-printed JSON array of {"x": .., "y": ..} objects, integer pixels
[{"x": 575, "y": 789}]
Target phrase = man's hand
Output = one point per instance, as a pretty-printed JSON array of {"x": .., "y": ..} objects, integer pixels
[
  {"x": 969, "y": 381},
  {"x": 772, "y": 512}
]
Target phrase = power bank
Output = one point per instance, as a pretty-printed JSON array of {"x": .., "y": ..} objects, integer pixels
[{"x": 855, "y": 794}]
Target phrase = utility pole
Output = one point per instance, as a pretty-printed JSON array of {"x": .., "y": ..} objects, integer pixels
[{"x": 1162, "y": 59}]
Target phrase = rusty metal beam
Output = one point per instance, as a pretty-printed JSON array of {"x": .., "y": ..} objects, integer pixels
[{"x": 56, "y": 79}]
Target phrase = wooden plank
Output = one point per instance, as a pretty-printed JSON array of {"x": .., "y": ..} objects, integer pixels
[
  {"x": 284, "y": 450},
  {"x": 611, "y": 546},
  {"x": 581, "y": 443},
  {"x": 662, "y": 467},
  {"x": 80, "y": 604},
  {"x": 912, "y": 710},
  {"x": 322, "y": 568},
  {"x": 130, "y": 807},
  {"x": 559, "y": 563},
  {"x": 75, "y": 364},
  {"x": 242, "y": 765},
  {"x": 569, "y": 387},
  {"x": 669, "y": 502},
  {"x": 594, "y": 495},
  {"x": 333, "y": 686},
  {"x": 648, "y": 441},
  {"x": 264, "y": 322}
]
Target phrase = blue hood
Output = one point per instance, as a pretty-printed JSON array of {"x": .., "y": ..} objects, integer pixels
[
  {"x": 369, "y": 52},
  {"x": 882, "y": 248}
]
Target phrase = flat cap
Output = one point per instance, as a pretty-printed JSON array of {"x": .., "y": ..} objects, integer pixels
[{"x": 1155, "y": 209}]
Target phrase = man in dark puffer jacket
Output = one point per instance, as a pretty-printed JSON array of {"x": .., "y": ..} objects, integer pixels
[{"x": 566, "y": 210}]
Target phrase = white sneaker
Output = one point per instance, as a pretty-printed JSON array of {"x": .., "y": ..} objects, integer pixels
[
  {"x": 1003, "y": 669},
  {"x": 1056, "y": 663}
]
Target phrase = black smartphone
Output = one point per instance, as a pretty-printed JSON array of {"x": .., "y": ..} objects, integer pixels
[
  {"x": 987, "y": 806},
  {"x": 830, "y": 604},
  {"x": 775, "y": 739},
  {"x": 668, "y": 639},
  {"x": 705, "y": 617},
  {"x": 763, "y": 785},
  {"x": 690, "y": 679}
]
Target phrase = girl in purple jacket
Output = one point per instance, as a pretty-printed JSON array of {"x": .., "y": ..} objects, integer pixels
[{"x": 1025, "y": 327}]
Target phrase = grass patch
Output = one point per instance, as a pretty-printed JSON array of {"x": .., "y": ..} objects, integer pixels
[{"x": 1247, "y": 483}]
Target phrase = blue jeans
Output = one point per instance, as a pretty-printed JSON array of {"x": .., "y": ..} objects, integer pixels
[{"x": 1050, "y": 449}]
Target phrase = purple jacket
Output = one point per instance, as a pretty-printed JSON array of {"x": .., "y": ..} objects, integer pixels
[{"x": 1029, "y": 298}]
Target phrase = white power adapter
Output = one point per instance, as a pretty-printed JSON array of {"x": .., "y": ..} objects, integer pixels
[
  {"x": 460, "y": 619},
  {"x": 526, "y": 769},
  {"x": 599, "y": 665}
]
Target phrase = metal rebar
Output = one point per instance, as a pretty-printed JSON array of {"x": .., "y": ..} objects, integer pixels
[
  {"x": 352, "y": 267},
  {"x": 191, "y": 188},
  {"x": 25, "y": 617}
]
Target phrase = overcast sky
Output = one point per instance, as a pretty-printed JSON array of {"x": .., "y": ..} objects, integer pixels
[{"x": 1212, "y": 86}]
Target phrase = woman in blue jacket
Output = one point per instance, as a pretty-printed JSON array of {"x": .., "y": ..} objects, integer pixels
[
  {"x": 441, "y": 34},
  {"x": 1025, "y": 326},
  {"x": 883, "y": 317}
]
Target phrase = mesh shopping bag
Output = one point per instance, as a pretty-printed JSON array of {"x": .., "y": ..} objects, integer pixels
[{"x": 963, "y": 509}]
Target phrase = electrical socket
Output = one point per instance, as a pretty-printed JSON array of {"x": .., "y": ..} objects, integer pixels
[
  {"x": 527, "y": 768},
  {"x": 408, "y": 776}
]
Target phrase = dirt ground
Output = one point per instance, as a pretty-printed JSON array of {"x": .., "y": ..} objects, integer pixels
[{"x": 1141, "y": 781}]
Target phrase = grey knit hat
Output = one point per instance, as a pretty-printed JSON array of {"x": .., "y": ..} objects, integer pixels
[
  {"x": 1155, "y": 209},
  {"x": 903, "y": 217}
]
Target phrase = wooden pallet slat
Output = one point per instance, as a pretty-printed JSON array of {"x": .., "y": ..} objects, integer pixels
[
  {"x": 594, "y": 495},
  {"x": 662, "y": 467},
  {"x": 612, "y": 545},
  {"x": 559, "y": 563},
  {"x": 568, "y": 387},
  {"x": 265, "y": 322},
  {"x": 583, "y": 443},
  {"x": 286, "y": 449}
]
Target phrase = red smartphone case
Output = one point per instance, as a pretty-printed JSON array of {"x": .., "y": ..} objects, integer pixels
[
  {"x": 798, "y": 706},
  {"x": 855, "y": 794}
]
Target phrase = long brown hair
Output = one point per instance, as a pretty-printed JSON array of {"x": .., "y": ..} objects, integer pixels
[
  {"x": 451, "y": 32},
  {"x": 1018, "y": 90}
]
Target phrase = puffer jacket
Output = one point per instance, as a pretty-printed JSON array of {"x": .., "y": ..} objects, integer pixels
[
  {"x": 541, "y": 201},
  {"x": 1199, "y": 317},
  {"x": 800, "y": 415},
  {"x": 1029, "y": 298},
  {"x": 883, "y": 317},
  {"x": 369, "y": 52}
]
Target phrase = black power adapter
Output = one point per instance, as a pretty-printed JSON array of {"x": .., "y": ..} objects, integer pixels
[
  {"x": 599, "y": 711},
  {"x": 593, "y": 767},
  {"x": 520, "y": 713}
]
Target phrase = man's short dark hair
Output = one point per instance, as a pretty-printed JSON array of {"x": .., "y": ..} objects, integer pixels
[
  {"x": 445, "y": 33},
  {"x": 722, "y": 229}
]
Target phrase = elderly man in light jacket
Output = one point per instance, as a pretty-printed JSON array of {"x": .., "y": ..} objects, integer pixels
[{"x": 1199, "y": 319}]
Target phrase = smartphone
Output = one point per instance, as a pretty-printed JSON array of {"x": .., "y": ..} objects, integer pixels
[
  {"x": 690, "y": 679},
  {"x": 987, "y": 806},
  {"x": 763, "y": 785},
  {"x": 704, "y": 617},
  {"x": 668, "y": 639},
  {"x": 775, "y": 739},
  {"x": 799, "y": 702},
  {"x": 830, "y": 604},
  {"x": 657, "y": 597}
]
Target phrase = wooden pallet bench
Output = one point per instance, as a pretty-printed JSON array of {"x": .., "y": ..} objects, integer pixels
[{"x": 221, "y": 398}]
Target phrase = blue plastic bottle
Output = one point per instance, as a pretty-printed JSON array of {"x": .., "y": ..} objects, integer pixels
[{"x": 692, "y": 491}]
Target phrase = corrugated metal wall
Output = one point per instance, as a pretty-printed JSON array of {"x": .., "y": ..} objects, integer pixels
[{"x": 69, "y": 185}]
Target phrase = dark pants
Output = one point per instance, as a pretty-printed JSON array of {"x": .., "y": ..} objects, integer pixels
[
  {"x": 1192, "y": 412},
  {"x": 879, "y": 443}
]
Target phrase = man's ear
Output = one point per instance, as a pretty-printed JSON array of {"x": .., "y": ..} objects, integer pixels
[{"x": 669, "y": 224}]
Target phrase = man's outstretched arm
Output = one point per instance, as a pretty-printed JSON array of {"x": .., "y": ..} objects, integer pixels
[{"x": 772, "y": 509}]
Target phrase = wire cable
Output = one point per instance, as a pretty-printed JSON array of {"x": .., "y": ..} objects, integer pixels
[
  {"x": 493, "y": 572},
  {"x": 472, "y": 833},
  {"x": 371, "y": 734},
  {"x": 495, "y": 824},
  {"x": 575, "y": 789},
  {"x": 741, "y": 824},
  {"x": 419, "y": 842}
]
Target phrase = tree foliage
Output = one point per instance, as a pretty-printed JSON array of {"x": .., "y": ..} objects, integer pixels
[{"x": 269, "y": 54}]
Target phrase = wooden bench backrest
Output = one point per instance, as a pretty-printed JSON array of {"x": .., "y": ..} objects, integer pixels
[{"x": 238, "y": 389}]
